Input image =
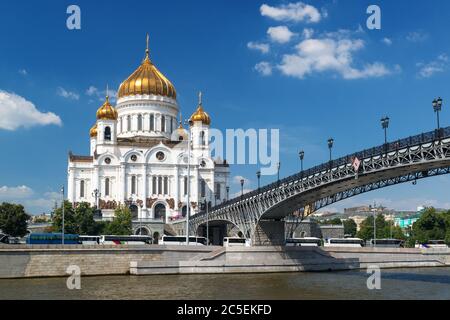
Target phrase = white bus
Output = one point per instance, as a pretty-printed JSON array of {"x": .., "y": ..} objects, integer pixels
[
  {"x": 125, "y": 240},
  {"x": 89, "y": 240},
  {"x": 236, "y": 242},
  {"x": 303, "y": 242},
  {"x": 387, "y": 243},
  {"x": 432, "y": 244},
  {"x": 347, "y": 242},
  {"x": 181, "y": 240}
]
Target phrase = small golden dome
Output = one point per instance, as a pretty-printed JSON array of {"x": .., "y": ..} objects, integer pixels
[
  {"x": 106, "y": 111},
  {"x": 200, "y": 114},
  {"x": 147, "y": 79},
  {"x": 93, "y": 131}
]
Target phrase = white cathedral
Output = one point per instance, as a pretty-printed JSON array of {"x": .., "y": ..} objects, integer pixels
[{"x": 139, "y": 154}]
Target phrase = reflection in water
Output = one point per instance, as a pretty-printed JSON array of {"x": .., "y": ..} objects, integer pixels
[{"x": 426, "y": 283}]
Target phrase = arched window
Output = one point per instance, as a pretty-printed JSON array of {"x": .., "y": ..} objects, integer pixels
[
  {"x": 159, "y": 185},
  {"x": 202, "y": 138},
  {"x": 107, "y": 134},
  {"x": 133, "y": 185},
  {"x": 140, "y": 122},
  {"x": 166, "y": 186},
  {"x": 120, "y": 125},
  {"x": 82, "y": 189},
  {"x": 171, "y": 124},
  {"x": 128, "y": 123},
  {"x": 107, "y": 187},
  {"x": 163, "y": 124},
  {"x": 185, "y": 185},
  {"x": 202, "y": 188},
  {"x": 152, "y": 122},
  {"x": 218, "y": 191},
  {"x": 154, "y": 185}
]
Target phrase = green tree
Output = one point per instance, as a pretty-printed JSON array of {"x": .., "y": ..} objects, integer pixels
[
  {"x": 121, "y": 224},
  {"x": 70, "y": 224},
  {"x": 350, "y": 227},
  {"x": 430, "y": 226},
  {"x": 383, "y": 229},
  {"x": 84, "y": 219},
  {"x": 13, "y": 219}
]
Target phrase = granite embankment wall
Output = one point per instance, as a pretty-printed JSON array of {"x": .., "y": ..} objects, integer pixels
[
  {"x": 23, "y": 261},
  {"x": 294, "y": 259},
  {"x": 49, "y": 261}
]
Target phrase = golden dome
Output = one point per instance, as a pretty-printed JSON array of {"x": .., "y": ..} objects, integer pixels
[
  {"x": 147, "y": 79},
  {"x": 106, "y": 111},
  {"x": 93, "y": 131},
  {"x": 200, "y": 114}
]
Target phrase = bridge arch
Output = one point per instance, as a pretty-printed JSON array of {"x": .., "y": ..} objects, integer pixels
[{"x": 402, "y": 161}]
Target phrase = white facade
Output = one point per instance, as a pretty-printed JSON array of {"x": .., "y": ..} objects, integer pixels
[{"x": 140, "y": 161}]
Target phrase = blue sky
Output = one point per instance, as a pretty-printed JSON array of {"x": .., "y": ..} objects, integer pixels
[{"x": 311, "y": 69}]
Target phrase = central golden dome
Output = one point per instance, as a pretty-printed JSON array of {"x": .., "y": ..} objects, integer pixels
[{"x": 147, "y": 79}]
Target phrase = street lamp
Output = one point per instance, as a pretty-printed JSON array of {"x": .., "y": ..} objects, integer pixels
[
  {"x": 301, "y": 154},
  {"x": 385, "y": 126},
  {"x": 437, "y": 107},
  {"x": 188, "y": 209},
  {"x": 62, "y": 203},
  {"x": 278, "y": 172},
  {"x": 242, "y": 187},
  {"x": 330, "y": 145},
  {"x": 228, "y": 192},
  {"x": 258, "y": 175}
]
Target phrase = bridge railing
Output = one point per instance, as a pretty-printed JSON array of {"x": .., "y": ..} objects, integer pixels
[{"x": 394, "y": 146}]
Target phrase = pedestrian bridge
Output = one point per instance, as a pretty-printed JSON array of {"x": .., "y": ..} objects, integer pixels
[{"x": 260, "y": 214}]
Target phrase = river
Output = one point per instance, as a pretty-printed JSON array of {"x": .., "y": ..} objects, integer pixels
[{"x": 422, "y": 283}]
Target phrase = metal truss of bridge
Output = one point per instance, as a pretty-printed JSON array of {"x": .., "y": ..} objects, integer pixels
[{"x": 260, "y": 213}]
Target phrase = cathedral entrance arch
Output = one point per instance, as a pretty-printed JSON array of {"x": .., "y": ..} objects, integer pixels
[
  {"x": 160, "y": 211},
  {"x": 134, "y": 212},
  {"x": 142, "y": 231}
]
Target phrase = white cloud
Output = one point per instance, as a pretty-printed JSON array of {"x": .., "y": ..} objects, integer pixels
[
  {"x": 387, "y": 41},
  {"x": 23, "y": 72},
  {"x": 67, "y": 94},
  {"x": 320, "y": 55},
  {"x": 264, "y": 68},
  {"x": 16, "y": 112},
  {"x": 280, "y": 34},
  {"x": 15, "y": 193},
  {"x": 307, "y": 33},
  {"x": 237, "y": 180},
  {"x": 26, "y": 196},
  {"x": 238, "y": 194},
  {"x": 426, "y": 70},
  {"x": 296, "y": 12},
  {"x": 263, "y": 47},
  {"x": 417, "y": 36},
  {"x": 101, "y": 94}
]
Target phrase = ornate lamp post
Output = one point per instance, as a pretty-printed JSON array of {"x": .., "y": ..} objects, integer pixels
[
  {"x": 278, "y": 171},
  {"x": 228, "y": 192},
  {"x": 188, "y": 196},
  {"x": 437, "y": 107},
  {"x": 385, "y": 126},
  {"x": 330, "y": 145},
  {"x": 258, "y": 175},
  {"x": 301, "y": 155},
  {"x": 62, "y": 203},
  {"x": 242, "y": 187}
]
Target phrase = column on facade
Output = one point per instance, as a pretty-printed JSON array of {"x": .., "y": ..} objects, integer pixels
[
  {"x": 122, "y": 183},
  {"x": 71, "y": 186},
  {"x": 95, "y": 184},
  {"x": 144, "y": 187}
]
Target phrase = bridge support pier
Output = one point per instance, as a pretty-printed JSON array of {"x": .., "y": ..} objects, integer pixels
[{"x": 269, "y": 233}]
